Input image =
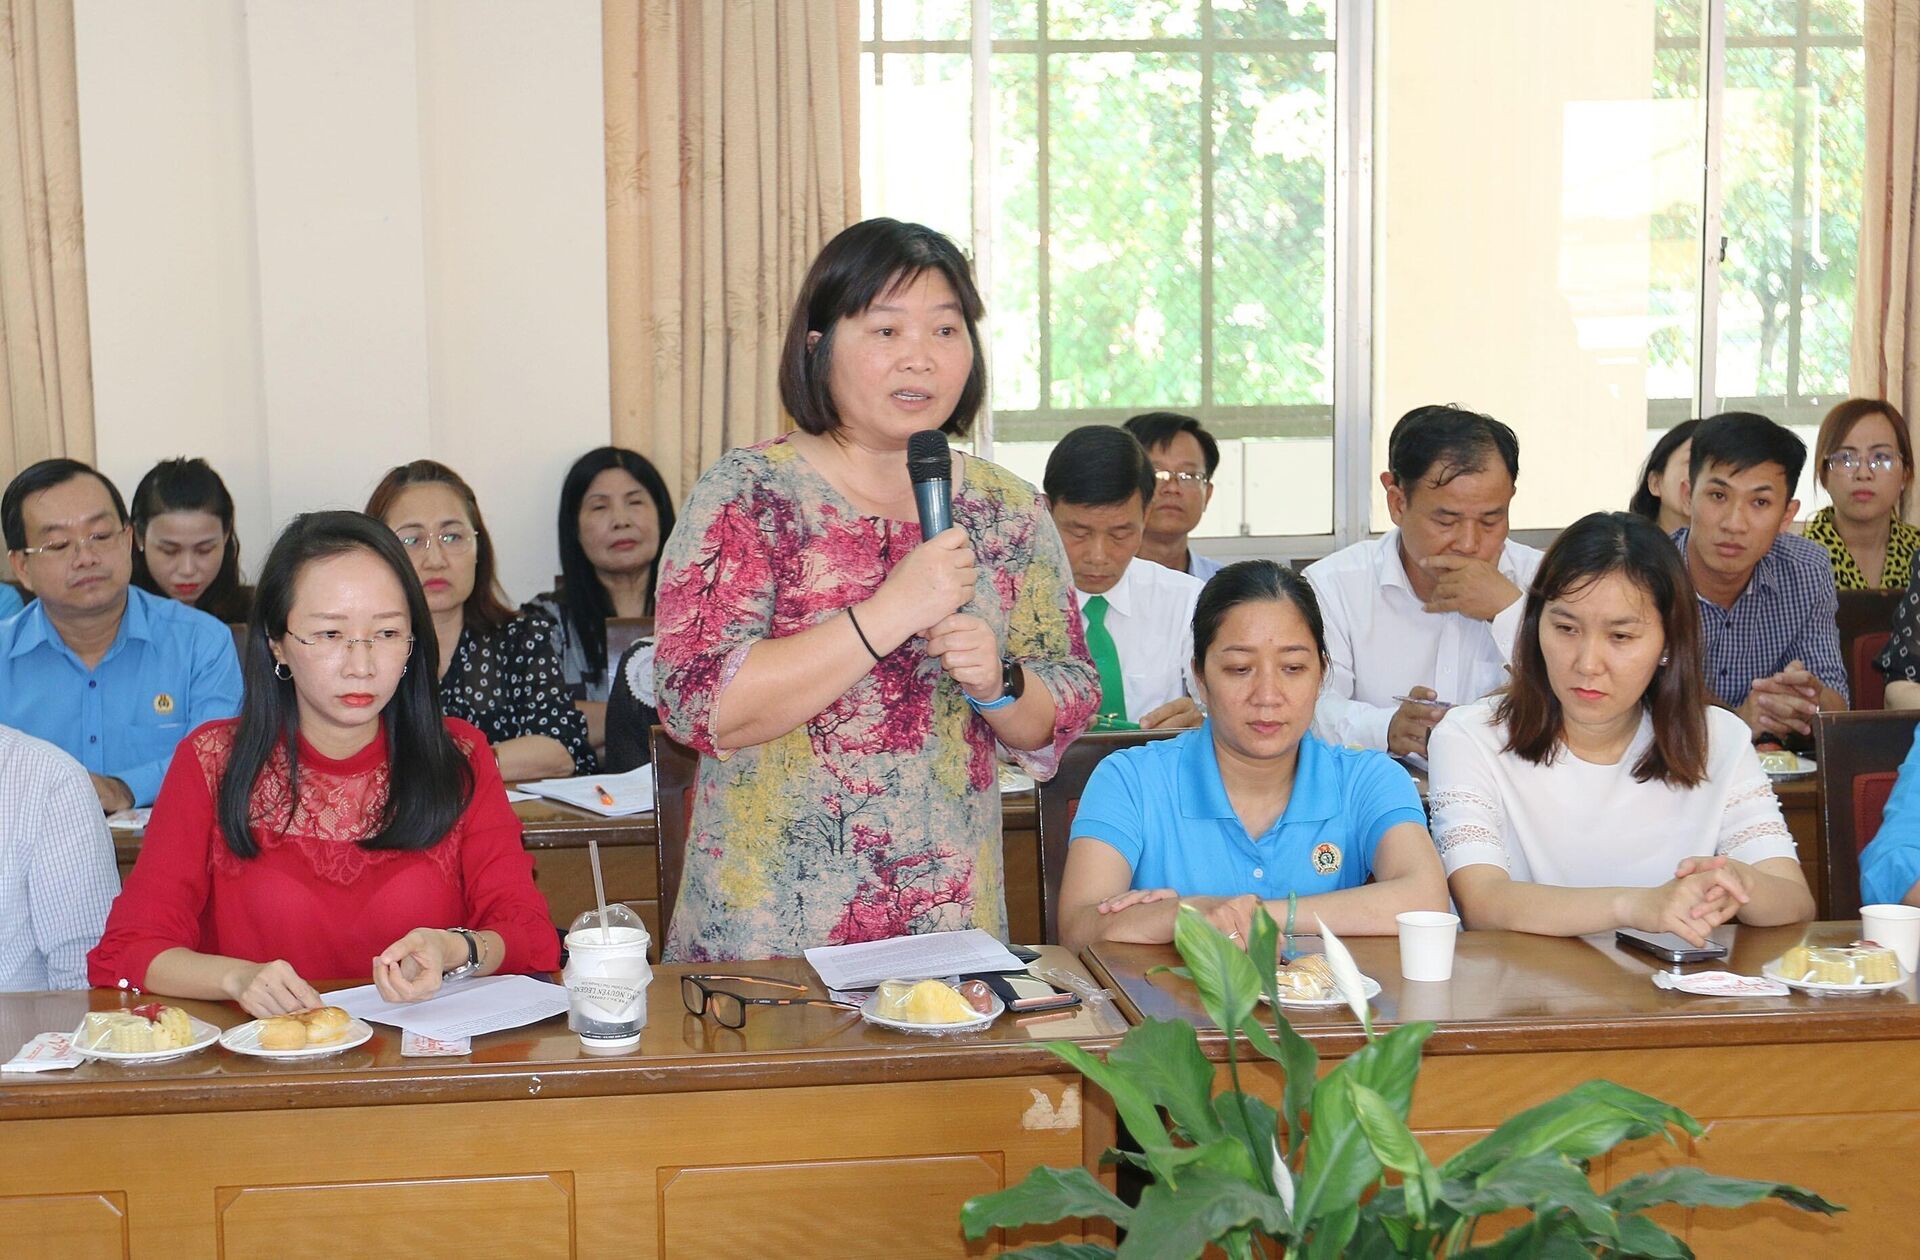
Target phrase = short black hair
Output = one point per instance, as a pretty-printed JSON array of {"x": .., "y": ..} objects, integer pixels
[
  {"x": 856, "y": 269},
  {"x": 1098, "y": 465},
  {"x": 1441, "y": 441},
  {"x": 1155, "y": 429},
  {"x": 1746, "y": 439},
  {"x": 45, "y": 475}
]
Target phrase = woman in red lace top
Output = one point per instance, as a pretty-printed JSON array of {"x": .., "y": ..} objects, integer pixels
[{"x": 340, "y": 827}]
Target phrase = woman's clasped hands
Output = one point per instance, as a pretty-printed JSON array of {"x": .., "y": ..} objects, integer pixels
[{"x": 1703, "y": 894}]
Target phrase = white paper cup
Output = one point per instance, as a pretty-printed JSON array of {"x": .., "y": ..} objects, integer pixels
[
  {"x": 607, "y": 979},
  {"x": 1426, "y": 944},
  {"x": 1896, "y": 927}
]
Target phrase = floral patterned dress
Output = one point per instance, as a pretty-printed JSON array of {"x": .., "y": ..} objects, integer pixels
[{"x": 880, "y": 816}]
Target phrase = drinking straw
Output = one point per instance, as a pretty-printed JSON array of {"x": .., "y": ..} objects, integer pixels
[{"x": 599, "y": 887}]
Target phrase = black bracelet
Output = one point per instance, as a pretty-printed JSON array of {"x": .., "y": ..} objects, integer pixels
[{"x": 863, "y": 635}]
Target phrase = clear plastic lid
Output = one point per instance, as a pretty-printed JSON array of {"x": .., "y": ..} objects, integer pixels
[{"x": 618, "y": 916}]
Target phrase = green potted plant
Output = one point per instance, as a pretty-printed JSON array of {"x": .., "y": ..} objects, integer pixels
[{"x": 1335, "y": 1171}]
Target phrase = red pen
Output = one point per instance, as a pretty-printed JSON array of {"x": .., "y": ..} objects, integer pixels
[{"x": 606, "y": 797}]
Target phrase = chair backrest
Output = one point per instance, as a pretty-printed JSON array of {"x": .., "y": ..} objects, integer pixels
[
  {"x": 676, "y": 769},
  {"x": 1865, "y": 622},
  {"x": 1859, "y": 756},
  {"x": 1058, "y": 799},
  {"x": 239, "y": 631},
  {"x": 623, "y": 633}
]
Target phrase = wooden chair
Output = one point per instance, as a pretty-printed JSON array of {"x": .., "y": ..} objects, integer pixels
[
  {"x": 623, "y": 633},
  {"x": 1860, "y": 756},
  {"x": 239, "y": 631},
  {"x": 676, "y": 769},
  {"x": 1058, "y": 799},
  {"x": 1865, "y": 621}
]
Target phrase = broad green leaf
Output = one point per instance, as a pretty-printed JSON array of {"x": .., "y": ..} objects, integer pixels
[
  {"x": 1340, "y": 1165},
  {"x": 1132, "y": 1102},
  {"x": 1521, "y": 1183},
  {"x": 1171, "y": 1225},
  {"x": 1263, "y": 950},
  {"x": 1394, "y": 1145},
  {"x": 1539, "y": 1239},
  {"x": 1162, "y": 1057},
  {"x": 1221, "y": 969},
  {"x": 1336, "y": 1230},
  {"x": 1696, "y": 1187},
  {"x": 1389, "y": 1065},
  {"x": 1586, "y": 1121},
  {"x": 1298, "y": 1059},
  {"x": 1225, "y": 1154},
  {"x": 1061, "y": 1251},
  {"x": 1638, "y": 1236},
  {"x": 1255, "y": 1127},
  {"x": 1047, "y": 1195}
]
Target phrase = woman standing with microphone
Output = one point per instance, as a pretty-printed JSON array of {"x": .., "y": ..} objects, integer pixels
[{"x": 846, "y": 681}]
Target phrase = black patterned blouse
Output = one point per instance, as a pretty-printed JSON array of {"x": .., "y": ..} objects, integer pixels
[
  {"x": 508, "y": 684},
  {"x": 631, "y": 715}
]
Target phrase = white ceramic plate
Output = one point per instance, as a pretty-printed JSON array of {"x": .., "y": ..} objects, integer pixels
[
  {"x": 204, "y": 1035},
  {"x": 1808, "y": 767},
  {"x": 1371, "y": 988},
  {"x": 246, "y": 1040},
  {"x": 972, "y": 1025},
  {"x": 1772, "y": 972}
]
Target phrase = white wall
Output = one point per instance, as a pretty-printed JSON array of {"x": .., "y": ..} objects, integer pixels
[{"x": 325, "y": 239}]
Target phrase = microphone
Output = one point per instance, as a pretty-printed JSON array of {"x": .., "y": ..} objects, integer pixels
[{"x": 930, "y": 466}]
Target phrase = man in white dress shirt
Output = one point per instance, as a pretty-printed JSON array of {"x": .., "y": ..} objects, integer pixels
[
  {"x": 1184, "y": 458},
  {"x": 1137, "y": 615},
  {"x": 57, "y": 874},
  {"x": 1430, "y": 609}
]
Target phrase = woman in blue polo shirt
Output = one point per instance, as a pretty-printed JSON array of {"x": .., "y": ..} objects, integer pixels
[{"x": 1251, "y": 808}]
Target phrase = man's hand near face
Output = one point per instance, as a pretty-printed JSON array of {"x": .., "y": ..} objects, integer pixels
[{"x": 1475, "y": 588}]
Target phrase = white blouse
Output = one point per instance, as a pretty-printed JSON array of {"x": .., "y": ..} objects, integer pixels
[{"x": 1573, "y": 824}]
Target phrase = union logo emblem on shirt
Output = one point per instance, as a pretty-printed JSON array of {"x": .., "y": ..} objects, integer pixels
[
  {"x": 1326, "y": 858},
  {"x": 163, "y": 704}
]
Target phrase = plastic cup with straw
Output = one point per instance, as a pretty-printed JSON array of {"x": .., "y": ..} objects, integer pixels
[{"x": 599, "y": 888}]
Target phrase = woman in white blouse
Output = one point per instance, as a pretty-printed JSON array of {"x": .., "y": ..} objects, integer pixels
[{"x": 1601, "y": 790}]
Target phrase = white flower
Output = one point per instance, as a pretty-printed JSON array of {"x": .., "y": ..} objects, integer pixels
[{"x": 1352, "y": 986}]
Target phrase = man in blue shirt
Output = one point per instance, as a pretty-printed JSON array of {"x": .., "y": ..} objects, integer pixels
[
  {"x": 9, "y": 601},
  {"x": 109, "y": 673},
  {"x": 1767, "y": 600}
]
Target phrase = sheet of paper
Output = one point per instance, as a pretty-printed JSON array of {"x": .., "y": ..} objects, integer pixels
[
  {"x": 911, "y": 958},
  {"x": 490, "y": 1004},
  {"x": 630, "y": 793},
  {"x": 47, "y": 1052},
  {"x": 514, "y": 794},
  {"x": 130, "y": 819}
]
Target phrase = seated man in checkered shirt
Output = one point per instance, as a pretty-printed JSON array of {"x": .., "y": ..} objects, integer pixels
[
  {"x": 1767, "y": 599},
  {"x": 57, "y": 876}
]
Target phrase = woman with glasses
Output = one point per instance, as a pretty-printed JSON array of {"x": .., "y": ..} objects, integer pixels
[
  {"x": 340, "y": 827},
  {"x": 184, "y": 545},
  {"x": 496, "y": 668},
  {"x": 1864, "y": 457}
]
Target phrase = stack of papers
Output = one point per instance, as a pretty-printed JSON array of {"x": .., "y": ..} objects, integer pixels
[
  {"x": 926, "y": 957},
  {"x": 630, "y": 793},
  {"x": 490, "y": 1004}
]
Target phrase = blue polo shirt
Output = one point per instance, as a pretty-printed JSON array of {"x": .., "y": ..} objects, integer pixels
[
  {"x": 171, "y": 667},
  {"x": 9, "y": 601},
  {"x": 1163, "y": 807},
  {"x": 1891, "y": 864}
]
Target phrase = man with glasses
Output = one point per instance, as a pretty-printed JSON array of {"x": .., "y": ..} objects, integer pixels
[
  {"x": 97, "y": 667},
  {"x": 1767, "y": 599},
  {"x": 1184, "y": 458}
]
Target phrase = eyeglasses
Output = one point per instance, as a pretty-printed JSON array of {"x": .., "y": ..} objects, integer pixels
[
  {"x": 1180, "y": 480},
  {"x": 334, "y": 644},
  {"x": 1849, "y": 461},
  {"x": 452, "y": 541},
  {"x": 67, "y": 548},
  {"x": 729, "y": 1009}
]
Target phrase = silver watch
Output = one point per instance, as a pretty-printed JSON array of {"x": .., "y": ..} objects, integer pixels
[{"x": 472, "y": 964}]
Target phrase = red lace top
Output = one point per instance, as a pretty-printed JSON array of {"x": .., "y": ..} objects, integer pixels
[{"x": 312, "y": 896}]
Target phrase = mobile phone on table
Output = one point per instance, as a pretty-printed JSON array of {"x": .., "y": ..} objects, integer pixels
[
  {"x": 1669, "y": 946},
  {"x": 1428, "y": 701}
]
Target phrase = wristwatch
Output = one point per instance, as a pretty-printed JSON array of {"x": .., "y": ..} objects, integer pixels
[
  {"x": 472, "y": 964},
  {"x": 1013, "y": 682}
]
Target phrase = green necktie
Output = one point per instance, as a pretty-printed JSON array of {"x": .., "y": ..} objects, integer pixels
[{"x": 1106, "y": 659}]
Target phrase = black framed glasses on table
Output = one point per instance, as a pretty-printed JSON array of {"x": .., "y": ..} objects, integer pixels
[{"x": 729, "y": 1009}]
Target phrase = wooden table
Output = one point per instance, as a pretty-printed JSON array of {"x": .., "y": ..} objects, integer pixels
[
  {"x": 1823, "y": 1092},
  {"x": 806, "y": 1134},
  {"x": 557, "y": 836}
]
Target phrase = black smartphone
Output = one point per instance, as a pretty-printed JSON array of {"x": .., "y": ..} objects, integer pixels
[{"x": 1669, "y": 946}]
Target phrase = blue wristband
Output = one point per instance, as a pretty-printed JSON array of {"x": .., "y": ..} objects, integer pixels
[{"x": 1006, "y": 698}]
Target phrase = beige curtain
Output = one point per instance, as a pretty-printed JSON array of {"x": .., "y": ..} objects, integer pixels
[
  {"x": 46, "y": 375},
  {"x": 1886, "y": 316},
  {"x": 732, "y": 157}
]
